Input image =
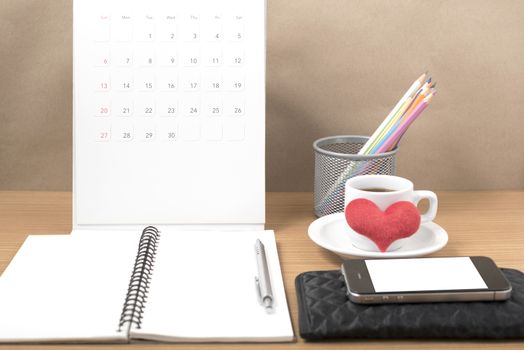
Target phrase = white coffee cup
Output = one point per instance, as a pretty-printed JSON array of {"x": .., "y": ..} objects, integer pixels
[{"x": 398, "y": 189}]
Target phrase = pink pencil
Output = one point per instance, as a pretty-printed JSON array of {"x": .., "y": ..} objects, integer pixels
[{"x": 397, "y": 135}]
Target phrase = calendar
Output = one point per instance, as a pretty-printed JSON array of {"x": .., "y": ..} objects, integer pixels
[{"x": 169, "y": 112}]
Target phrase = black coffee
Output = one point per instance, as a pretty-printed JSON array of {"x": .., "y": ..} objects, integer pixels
[{"x": 377, "y": 189}]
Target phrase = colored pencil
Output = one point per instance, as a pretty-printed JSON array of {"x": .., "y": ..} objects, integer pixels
[
  {"x": 412, "y": 89},
  {"x": 395, "y": 137},
  {"x": 388, "y": 134}
]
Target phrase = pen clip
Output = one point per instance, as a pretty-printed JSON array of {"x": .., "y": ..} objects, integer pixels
[{"x": 259, "y": 293}]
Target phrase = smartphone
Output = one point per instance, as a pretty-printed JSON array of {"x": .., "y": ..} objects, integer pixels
[{"x": 418, "y": 280}]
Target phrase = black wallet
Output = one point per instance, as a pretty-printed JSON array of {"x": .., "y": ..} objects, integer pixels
[{"x": 325, "y": 313}]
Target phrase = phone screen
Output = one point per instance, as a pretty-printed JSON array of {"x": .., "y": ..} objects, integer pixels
[{"x": 424, "y": 274}]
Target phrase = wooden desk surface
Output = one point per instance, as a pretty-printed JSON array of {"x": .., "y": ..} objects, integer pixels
[{"x": 478, "y": 223}]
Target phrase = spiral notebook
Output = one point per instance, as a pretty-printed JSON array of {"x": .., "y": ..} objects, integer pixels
[{"x": 120, "y": 287}]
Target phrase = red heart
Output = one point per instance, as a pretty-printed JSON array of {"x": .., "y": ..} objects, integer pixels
[{"x": 400, "y": 220}]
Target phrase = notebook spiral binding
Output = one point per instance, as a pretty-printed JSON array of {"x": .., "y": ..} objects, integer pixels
[{"x": 139, "y": 283}]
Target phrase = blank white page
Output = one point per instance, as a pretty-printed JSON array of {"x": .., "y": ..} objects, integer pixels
[
  {"x": 203, "y": 289},
  {"x": 62, "y": 289},
  {"x": 35, "y": 247}
]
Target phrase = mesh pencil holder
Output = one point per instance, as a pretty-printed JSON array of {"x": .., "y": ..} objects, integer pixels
[{"x": 337, "y": 160}]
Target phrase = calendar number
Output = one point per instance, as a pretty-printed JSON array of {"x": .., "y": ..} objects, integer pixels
[
  {"x": 123, "y": 57},
  {"x": 124, "y": 132},
  {"x": 146, "y": 133},
  {"x": 168, "y": 106},
  {"x": 103, "y": 134},
  {"x": 145, "y": 107},
  {"x": 191, "y": 107},
  {"x": 191, "y": 58},
  {"x": 191, "y": 82},
  {"x": 235, "y": 108},
  {"x": 236, "y": 83},
  {"x": 214, "y": 32},
  {"x": 191, "y": 31},
  {"x": 146, "y": 58},
  {"x": 214, "y": 83},
  {"x": 213, "y": 57},
  {"x": 102, "y": 108},
  {"x": 237, "y": 30},
  {"x": 123, "y": 107},
  {"x": 169, "y": 132},
  {"x": 101, "y": 58},
  {"x": 146, "y": 29}
]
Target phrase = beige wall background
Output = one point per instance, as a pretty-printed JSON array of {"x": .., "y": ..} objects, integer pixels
[{"x": 333, "y": 67}]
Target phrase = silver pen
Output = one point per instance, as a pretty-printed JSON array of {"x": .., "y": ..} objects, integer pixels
[{"x": 262, "y": 281}]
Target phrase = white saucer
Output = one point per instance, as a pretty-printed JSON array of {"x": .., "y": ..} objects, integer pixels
[{"x": 329, "y": 233}]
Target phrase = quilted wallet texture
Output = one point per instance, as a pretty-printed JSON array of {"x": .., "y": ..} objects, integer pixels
[{"x": 325, "y": 313}]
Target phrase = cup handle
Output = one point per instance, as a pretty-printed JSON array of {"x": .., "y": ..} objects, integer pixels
[{"x": 433, "y": 204}]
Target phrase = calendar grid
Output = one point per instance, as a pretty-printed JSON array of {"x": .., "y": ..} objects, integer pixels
[{"x": 184, "y": 69}]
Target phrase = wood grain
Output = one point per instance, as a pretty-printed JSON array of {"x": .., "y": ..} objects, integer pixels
[{"x": 478, "y": 223}]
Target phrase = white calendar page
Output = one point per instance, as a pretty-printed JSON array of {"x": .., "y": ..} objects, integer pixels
[{"x": 169, "y": 112}]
